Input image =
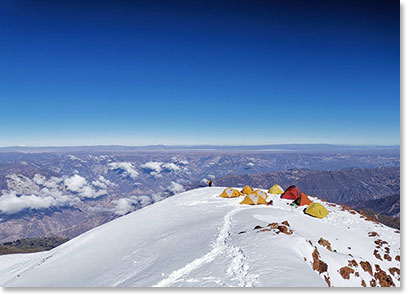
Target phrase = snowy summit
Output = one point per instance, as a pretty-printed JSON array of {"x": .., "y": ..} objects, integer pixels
[{"x": 197, "y": 239}]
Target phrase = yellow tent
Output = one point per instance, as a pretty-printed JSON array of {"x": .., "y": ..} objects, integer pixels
[
  {"x": 247, "y": 190},
  {"x": 276, "y": 189},
  {"x": 253, "y": 199},
  {"x": 261, "y": 193},
  {"x": 230, "y": 193},
  {"x": 316, "y": 210}
]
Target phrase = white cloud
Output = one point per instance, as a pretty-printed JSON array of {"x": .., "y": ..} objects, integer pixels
[
  {"x": 126, "y": 167},
  {"x": 170, "y": 167},
  {"x": 102, "y": 183},
  {"x": 89, "y": 192},
  {"x": 73, "y": 157},
  {"x": 175, "y": 188},
  {"x": 251, "y": 164},
  {"x": 75, "y": 183},
  {"x": 39, "y": 179},
  {"x": 156, "y": 167},
  {"x": 21, "y": 184},
  {"x": 10, "y": 203},
  {"x": 126, "y": 205},
  {"x": 79, "y": 185},
  {"x": 204, "y": 182},
  {"x": 153, "y": 167},
  {"x": 51, "y": 183},
  {"x": 179, "y": 161}
]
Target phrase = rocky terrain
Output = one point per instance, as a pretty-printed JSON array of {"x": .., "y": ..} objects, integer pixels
[
  {"x": 389, "y": 205},
  {"x": 30, "y": 245}
]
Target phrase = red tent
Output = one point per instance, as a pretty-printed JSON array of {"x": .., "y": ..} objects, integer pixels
[{"x": 291, "y": 193}]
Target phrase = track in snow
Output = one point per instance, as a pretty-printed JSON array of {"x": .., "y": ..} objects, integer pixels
[{"x": 238, "y": 269}]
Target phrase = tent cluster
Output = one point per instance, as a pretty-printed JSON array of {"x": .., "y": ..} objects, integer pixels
[{"x": 255, "y": 197}]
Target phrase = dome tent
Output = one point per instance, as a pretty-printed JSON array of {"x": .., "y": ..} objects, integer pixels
[
  {"x": 253, "y": 199},
  {"x": 276, "y": 189},
  {"x": 230, "y": 193},
  {"x": 247, "y": 190},
  {"x": 302, "y": 200},
  {"x": 316, "y": 210},
  {"x": 291, "y": 193},
  {"x": 261, "y": 193}
]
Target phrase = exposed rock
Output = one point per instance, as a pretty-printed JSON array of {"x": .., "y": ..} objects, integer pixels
[
  {"x": 352, "y": 263},
  {"x": 387, "y": 257},
  {"x": 384, "y": 279},
  {"x": 318, "y": 264},
  {"x": 258, "y": 227},
  {"x": 242, "y": 232},
  {"x": 380, "y": 242},
  {"x": 284, "y": 230},
  {"x": 273, "y": 225},
  {"x": 373, "y": 283},
  {"x": 394, "y": 270},
  {"x": 387, "y": 249},
  {"x": 325, "y": 243},
  {"x": 285, "y": 223},
  {"x": 265, "y": 230},
  {"x": 327, "y": 280},
  {"x": 373, "y": 234},
  {"x": 345, "y": 207},
  {"x": 309, "y": 241},
  {"x": 363, "y": 283},
  {"x": 366, "y": 267},
  {"x": 397, "y": 257},
  {"x": 345, "y": 272},
  {"x": 376, "y": 253},
  {"x": 357, "y": 274}
]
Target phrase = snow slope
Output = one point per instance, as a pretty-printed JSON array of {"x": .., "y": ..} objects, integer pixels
[{"x": 196, "y": 239}]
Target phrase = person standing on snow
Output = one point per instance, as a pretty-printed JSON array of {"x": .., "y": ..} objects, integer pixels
[{"x": 210, "y": 183}]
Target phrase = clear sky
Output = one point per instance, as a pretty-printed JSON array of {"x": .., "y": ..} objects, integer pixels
[{"x": 199, "y": 72}]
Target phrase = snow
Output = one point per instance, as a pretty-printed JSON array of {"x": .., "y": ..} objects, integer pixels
[{"x": 197, "y": 239}]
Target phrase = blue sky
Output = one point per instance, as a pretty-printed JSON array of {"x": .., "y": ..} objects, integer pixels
[{"x": 199, "y": 72}]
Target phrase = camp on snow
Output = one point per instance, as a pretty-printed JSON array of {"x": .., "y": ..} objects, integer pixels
[
  {"x": 247, "y": 190},
  {"x": 253, "y": 199},
  {"x": 230, "y": 193},
  {"x": 256, "y": 197},
  {"x": 316, "y": 210},
  {"x": 291, "y": 193},
  {"x": 260, "y": 193},
  {"x": 276, "y": 189},
  {"x": 302, "y": 200}
]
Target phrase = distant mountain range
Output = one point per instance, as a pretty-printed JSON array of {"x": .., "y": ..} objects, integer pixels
[
  {"x": 269, "y": 147},
  {"x": 364, "y": 188},
  {"x": 389, "y": 205}
]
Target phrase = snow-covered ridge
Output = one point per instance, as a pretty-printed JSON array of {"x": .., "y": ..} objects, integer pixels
[{"x": 196, "y": 239}]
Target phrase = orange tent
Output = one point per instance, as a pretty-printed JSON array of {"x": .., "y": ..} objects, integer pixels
[{"x": 302, "y": 200}]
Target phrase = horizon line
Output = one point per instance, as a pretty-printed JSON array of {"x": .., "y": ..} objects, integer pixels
[{"x": 200, "y": 145}]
